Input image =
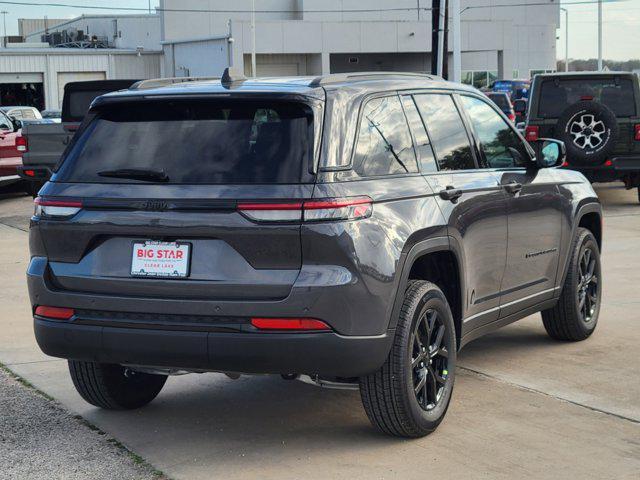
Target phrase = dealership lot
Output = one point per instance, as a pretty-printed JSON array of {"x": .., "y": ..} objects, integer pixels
[{"x": 524, "y": 405}]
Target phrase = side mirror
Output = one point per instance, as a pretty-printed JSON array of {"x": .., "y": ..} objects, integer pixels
[
  {"x": 17, "y": 124},
  {"x": 520, "y": 106},
  {"x": 549, "y": 152}
]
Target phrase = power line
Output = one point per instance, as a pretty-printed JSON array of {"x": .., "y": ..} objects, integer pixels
[{"x": 366, "y": 10}]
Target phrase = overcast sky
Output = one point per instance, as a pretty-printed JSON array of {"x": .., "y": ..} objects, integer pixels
[{"x": 621, "y": 24}]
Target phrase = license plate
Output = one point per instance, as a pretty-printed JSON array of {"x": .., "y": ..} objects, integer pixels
[{"x": 160, "y": 259}]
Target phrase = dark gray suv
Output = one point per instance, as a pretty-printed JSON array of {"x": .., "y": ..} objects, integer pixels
[{"x": 354, "y": 231}]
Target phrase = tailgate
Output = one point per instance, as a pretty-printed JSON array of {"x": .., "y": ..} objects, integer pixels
[
  {"x": 46, "y": 141},
  {"x": 230, "y": 257}
]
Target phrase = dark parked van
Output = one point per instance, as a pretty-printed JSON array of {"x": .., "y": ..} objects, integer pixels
[{"x": 353, "y": 230}]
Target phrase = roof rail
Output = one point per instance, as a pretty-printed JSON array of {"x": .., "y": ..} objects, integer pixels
[
  {"x": 164, "y": 82},
  {"x": 345, "y": 77}
]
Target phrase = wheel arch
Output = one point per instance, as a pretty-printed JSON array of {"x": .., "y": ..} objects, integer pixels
[
  {"x": 436, "y": 260},
  {"x": 588, "y": 216}
]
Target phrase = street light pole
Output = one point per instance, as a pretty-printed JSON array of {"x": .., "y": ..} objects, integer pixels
[
  {"x": 566, "y": 40},
  {"x": 457, "y": 40},
  {"x": 599, "y": 35},
  {"x": 4, "y": 28},
  {"x": 253, "y": 38}
]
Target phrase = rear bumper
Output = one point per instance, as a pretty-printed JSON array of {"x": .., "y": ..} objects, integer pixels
[
  {"x": 205, "y": 335},
  {"x": 620, "y": 167},
  {"x": 8, "y": 180},
  {"x": 327, "y": 354}
]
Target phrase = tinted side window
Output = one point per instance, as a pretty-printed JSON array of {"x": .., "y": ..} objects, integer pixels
[
  {"x": 422, "y": 143},
  {"x": 447, "y": 131},
  {"x": 384, "y": 145},
  {"x": 501, "y": 146}
]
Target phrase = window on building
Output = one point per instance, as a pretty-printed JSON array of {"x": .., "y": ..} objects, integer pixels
[
  {"x": 447, "y": 131},
  {"x": 480, "y": 78},
  {"x": 384, "y": 145},
  {"x": 501, "y": 146}
]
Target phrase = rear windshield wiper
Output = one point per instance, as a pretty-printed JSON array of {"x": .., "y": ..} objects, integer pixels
[{"x": 137, "y": 174}]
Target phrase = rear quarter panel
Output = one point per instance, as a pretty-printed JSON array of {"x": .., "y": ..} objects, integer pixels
[{"x": 370, "y": 251}]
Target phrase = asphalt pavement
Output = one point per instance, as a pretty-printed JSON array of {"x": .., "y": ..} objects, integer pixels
[{"x": 524, "y": 406}]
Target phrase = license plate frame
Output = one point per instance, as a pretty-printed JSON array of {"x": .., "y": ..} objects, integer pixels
[{"x": 161, "y": 266}]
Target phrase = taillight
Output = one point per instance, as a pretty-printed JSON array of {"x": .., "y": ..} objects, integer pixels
[
  {"x": 21, "y": 144},
  {"x": 58, "y": 313},
  {"x": 608, "y": 163},
  {"x": 337, "y": 209},
  {"x": 350, "y": 208},
  {"x": 636, "y": 130},
  {"x": 512, "y": 117},
  {"x": 55, "y": 208},
  {"x": 531, "y": 133},
  {"x": 29, "y": 173},
  {"x": 305, "y": 324}
]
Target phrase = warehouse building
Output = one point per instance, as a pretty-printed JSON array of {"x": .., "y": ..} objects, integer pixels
[
  {"x": 500, "y": 38},
  {"x": 90, "y": 47}
]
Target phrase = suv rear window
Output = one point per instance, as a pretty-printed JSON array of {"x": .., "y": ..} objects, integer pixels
[
  {"x": 500, "y": 99},
  {"x": 557, "y": 94},
  {"x": 80, "y": 101},
  {"x": 203, "y": 142}
]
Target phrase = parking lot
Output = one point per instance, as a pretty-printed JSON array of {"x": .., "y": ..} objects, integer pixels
[{"x": 524, "y": 405}]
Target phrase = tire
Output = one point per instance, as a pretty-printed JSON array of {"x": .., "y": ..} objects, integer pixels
[
  {"x": 589, "y": 131},
  {"x": 114, "y": 387},
  {"x": 569, "y": 319},
  {"x": 388, "y": 395}
]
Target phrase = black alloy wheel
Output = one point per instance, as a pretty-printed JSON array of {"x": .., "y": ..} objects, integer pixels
[
  {"x": 588, "y": 290},
  {"x": 430, "y": 359}
]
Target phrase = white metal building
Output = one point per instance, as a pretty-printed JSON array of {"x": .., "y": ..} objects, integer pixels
[
  {"x": 118, "y": 31},
  {"x": 308, "y": 37},
  {"x": 45, "y": 71}
]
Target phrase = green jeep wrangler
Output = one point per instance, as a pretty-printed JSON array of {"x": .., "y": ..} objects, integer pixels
[{"x": 597, "y": 115}]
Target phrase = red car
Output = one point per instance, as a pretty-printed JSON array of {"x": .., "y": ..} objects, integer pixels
[{"x": 12, "y": 146}]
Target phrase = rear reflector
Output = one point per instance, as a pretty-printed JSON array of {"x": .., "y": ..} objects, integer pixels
[
  {"x": 531, "y": 133},
  {"x": 55, "y": 208},
  {"x": 349, "y": 208},
  {"x": 29, "y": 173},
  {"x": 59, "y": 313},
  {"x": 636, "y": 134},
  {"x": 306, "y": 324}
]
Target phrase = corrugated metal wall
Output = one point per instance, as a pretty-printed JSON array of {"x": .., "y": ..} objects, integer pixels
[{"x": 112, "y": 64}]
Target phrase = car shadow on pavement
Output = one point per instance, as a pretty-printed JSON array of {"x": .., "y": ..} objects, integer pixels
[{"x": 253, "y": 413}]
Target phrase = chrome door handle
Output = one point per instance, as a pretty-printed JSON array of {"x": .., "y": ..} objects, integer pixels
[{"x": 450, "y": 193}]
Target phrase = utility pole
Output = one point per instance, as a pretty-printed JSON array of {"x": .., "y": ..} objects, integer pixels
[
  {"x": 4, "y": 28},
  {"x": 437, "y": 36},
  {"x": 599, "y": 35},
  {"x": 253, "y": 38},
  {"x": 566, "y": 38}
]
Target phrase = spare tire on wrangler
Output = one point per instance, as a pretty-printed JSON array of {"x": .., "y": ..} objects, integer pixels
[{"x": 589, "y": 131}]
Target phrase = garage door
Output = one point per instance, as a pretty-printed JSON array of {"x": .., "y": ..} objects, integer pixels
[
  {"x": 66, "y": 77},
  {"x": 20, "y": 78}
]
